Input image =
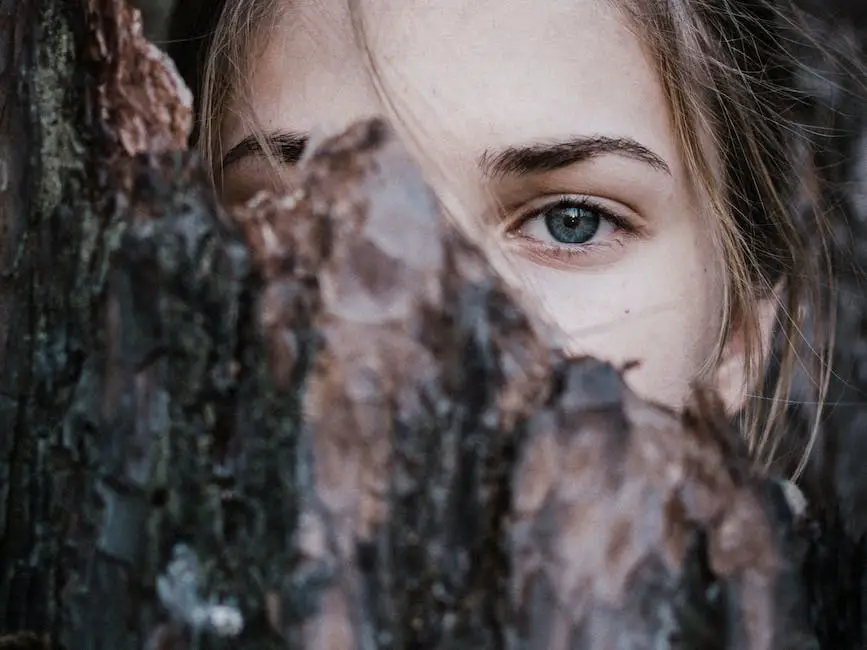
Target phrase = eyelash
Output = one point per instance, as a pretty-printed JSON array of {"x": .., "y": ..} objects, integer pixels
[{"x": 621, "y": 225}]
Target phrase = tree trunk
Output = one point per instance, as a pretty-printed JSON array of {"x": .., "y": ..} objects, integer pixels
[{"x": 297, "y": 426}]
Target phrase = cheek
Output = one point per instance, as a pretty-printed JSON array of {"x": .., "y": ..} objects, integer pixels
[{"x": 663, "y": 315}]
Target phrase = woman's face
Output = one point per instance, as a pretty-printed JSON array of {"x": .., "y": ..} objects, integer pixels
[{"x": 543, "y": 127}]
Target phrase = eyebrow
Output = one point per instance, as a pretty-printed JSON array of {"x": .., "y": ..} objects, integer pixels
[
  {"x": 545, "y": 157},
  {"x": 288, "y": 146}
]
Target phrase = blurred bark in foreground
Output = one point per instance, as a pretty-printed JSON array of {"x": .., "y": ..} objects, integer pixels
[{"x": 321, "y": 422}]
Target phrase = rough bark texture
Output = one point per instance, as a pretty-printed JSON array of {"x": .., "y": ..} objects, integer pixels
[
  {"x": 321, "y": 422},
  {"x": 41, "y": 151}
]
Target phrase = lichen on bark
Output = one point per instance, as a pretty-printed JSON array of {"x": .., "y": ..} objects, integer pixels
[{"x": 41, "y": 342}]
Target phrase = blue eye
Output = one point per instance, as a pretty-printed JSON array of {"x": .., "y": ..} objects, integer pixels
[
  {"x": 575, "y": 224},
  {"x": 572, "y": 229},
  {"x": 571, "y": 224}
]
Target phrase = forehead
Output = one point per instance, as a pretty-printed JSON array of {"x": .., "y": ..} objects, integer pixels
[{"x": 472, "y": 74}]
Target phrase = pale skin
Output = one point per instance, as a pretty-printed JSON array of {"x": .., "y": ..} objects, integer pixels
[{"x": 610, "y": 238}]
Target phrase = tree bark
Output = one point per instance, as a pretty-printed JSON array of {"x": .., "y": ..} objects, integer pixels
[
  {"x": 320, "y": 421},
  {"x": 36, "y": 158}
]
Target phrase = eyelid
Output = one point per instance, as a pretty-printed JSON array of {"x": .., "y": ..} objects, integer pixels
[{"x": 620, "y": 216}]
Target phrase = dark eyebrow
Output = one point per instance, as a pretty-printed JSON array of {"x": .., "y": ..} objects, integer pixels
[
  {"x": 546, "y": 157},
  {"x": 286, "y": 146}
]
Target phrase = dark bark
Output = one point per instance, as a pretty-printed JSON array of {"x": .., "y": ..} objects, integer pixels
[
  {"x": 39, "y": 152},
  {"x": 309, "y": 424},
  {"x": 156, "y": 15},
  {"x": 834, "y": 109},
  {"x": 12, "y": 144}
]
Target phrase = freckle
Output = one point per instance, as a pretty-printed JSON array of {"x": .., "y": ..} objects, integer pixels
[{"x": 627, "y": 312}]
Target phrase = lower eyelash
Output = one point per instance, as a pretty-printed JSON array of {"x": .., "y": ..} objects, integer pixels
[
  {"x": 567, "y": 253},
  {"x": 582, "y": 249}
]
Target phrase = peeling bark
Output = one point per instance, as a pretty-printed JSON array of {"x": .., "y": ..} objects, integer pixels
[{"x": 320, "y": 421}]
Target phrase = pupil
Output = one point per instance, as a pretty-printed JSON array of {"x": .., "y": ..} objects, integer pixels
[{"x": 572, "y": 225}]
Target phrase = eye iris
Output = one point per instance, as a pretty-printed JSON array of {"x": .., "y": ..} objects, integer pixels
[{"x": 572, "y": 224}]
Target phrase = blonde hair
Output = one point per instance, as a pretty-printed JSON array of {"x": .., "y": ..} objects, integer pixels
[{"x": 726, "y": 72}]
